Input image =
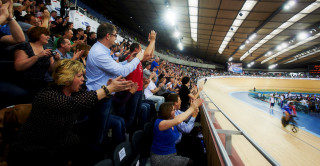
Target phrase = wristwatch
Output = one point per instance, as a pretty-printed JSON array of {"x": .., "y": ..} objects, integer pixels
[
  {"x": 104, "y": 87},
  {"x": 9, "y": 19}
]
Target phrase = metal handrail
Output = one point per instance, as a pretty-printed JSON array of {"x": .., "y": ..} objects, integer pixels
[{"x": 220, "y": 145}]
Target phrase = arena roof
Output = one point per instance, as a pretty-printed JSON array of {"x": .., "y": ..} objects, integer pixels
[{"x": 223, "y": 26}]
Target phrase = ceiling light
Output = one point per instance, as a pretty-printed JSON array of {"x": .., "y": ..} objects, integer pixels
[
  {"x": 242, "y": 46},
  {"x": 252, "y": 63},
  {"x": 248, "y": 65},
  {"x": 312, "y": 7},
  {"x": 171, "y": 17},
  {"x": 269, "y": 53},
  {"x": 193, "y": 14},
  {"x": 230, "y": 59},
  {"x": 291, "y": 3},
  {"x": 176, "y": 34},
  {"x": 245, "y": 11},
  {"x": 247, "y": 41},
  {"x": 273, "y": 66},
  {"x": 252, "y": 36},
  {"x": 292, "y": 47},
  {"x": 284, "y": 45},
  {"x": 302, "y": 35},
  {"x": 180, "y": 46}
]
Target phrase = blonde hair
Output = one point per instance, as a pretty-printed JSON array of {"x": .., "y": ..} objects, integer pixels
[{"x": 65, "y": 71}]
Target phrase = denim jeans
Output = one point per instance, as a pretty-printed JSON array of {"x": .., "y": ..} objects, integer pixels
[
  {"x": 99, "y": 120},
  {"x": 158, "y": 99},
  {"x": 118, "y": 128},
  {"x": 144, "y": 116},
  {"x": 133, "y": 109}
]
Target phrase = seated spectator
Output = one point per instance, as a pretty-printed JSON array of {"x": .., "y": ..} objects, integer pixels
[
  {"x": 85, "y": 48},
  {"x": 151, "y": 90},
  {"x": 185, "y": 126},
  {"x": 79, "y": 36},
  {"x": 146, "y": 71},
  {"x": 34, "y": 61},
  {"x": 87, "y": 31},
  {"x": 56, "y": 27},
  {"x": 31, "y": 21},
  {"x": 68, "y": 34},
  {"x": 185, "y": 93},
  {"x": 53, "y": 15},
  {"x": 92, "y": 38},
  {"x": 164, "y": 89},
  {"x": 46, "y": 138},
  {"x": 64, "y": 47},
  {"x": 163, "y": 150},
  {"x": 171, "y": 85}
]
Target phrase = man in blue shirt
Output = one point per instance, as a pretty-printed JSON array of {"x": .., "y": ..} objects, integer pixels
[
  {"x": 155, "y": 63},
  {"x": 101, "y": 68}
]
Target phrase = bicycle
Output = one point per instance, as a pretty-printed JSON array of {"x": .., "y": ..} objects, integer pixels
[{"x": 293, "y": 124}]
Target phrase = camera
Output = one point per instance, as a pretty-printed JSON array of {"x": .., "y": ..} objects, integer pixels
[{"x": 53, "y": 53}]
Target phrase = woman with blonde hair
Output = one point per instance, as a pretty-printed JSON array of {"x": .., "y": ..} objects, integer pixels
[
  {"x": 47, "y": 138},
  {"x": 166, "y": 133}
]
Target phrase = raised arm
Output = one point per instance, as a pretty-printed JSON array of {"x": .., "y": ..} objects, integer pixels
[
  {"x": 166, "y": 124},
  {"x": 148, "y": 53},
  {"x": 197, "y": 95},
  {"x": 17, "y": 35}
]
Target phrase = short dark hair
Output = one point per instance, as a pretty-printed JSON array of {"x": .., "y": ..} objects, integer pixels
[
  {"x": 28, "y": 17},
  {"x": 185, "y": 80},
  {"x": 65, "y": 30},
  {"x": 165, "y": 110},
  {"x": 35, "y": 33},
  {"x": 133, "y": 46},
  {"x": 69, "y": 23},
  {"x": 58, "y": 17},
  {"x": 79, "y": 30},
  {"x": 172, "y": 97},
  {"x": 60, "y": 41},
  {"x": 104, "y": 29}
]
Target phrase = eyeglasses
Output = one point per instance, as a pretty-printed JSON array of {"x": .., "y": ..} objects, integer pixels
[{"x": 115, "y": 35}]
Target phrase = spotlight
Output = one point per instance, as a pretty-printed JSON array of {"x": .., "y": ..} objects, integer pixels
[{"x": 240, "y": 14}]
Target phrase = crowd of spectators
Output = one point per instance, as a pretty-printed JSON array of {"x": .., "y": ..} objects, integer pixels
[{"x": 78, "y": 79}]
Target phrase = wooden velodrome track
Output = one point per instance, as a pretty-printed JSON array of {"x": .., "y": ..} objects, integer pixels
[{"x": 286, "y": 147}]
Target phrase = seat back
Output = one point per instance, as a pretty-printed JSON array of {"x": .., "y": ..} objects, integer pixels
[
  {"x": 11, "y": 120},
  {"x": 122, "y": 155},
  {"x": 137, "y": 141},
  {"x": 105, "y": 162}
]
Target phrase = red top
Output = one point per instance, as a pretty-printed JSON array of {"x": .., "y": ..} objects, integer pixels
[{"x": 136, "y": 75}]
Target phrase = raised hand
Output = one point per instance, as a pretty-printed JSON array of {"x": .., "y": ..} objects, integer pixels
[
  {"x": 119, "y": 84},
  {"x": 152, "y": 35},
  {"x": 77, "y": 54},
  {"x": 134, "y": 88}
]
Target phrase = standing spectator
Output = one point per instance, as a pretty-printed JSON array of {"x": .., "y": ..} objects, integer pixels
[
  {"x": 100, "y": 68},
  {"x": 185, "y": 94},
  {"x": 63, "y": 6},
  {"x": 134, "y": 104}
]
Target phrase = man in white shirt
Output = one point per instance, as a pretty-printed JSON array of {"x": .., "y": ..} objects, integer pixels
[{"x": 152, "y": 89}]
